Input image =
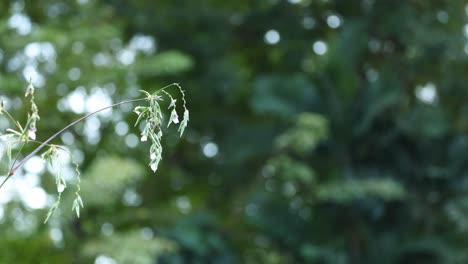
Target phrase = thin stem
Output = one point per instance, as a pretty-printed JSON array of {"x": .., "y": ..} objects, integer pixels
[
  {"x": 17, "y": 155},
  {"x": 35, "y": 151},
  {"x": 23, "y": 133},
  {"x": 12, "y": 119},
  {"x": 4, "y": 181},
  {"x": 165, "y": 87}
]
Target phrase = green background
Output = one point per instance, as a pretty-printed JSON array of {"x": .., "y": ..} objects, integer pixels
[{"x": 343, "y": 140}]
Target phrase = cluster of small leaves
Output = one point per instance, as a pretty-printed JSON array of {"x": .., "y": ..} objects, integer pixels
[
  {"x": 33, "y": 115},
  {"x": 153, "y": 116},
  {"x": 51, "y": 157},
  {"x": 27, "y": 133},
  {"x": 21, "y": 135},
  {"x": 78, "y": 202}
]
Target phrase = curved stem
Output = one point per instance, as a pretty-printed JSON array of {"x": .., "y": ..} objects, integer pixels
[
  {"x": 165, "y": 87},
  {"x": 35, "y": 151}
]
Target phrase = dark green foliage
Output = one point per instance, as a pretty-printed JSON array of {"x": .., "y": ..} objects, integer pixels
[{"x": 293, "y": 154}]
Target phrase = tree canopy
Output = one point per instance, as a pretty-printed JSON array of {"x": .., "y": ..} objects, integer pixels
[{"x": 320, "y": 131}]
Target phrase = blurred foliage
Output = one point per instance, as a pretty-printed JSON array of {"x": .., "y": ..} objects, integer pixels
[
  {"x": 309, "y": 131},
  {"x": 165, "y": 63},
  {"x": 120, "y": 174},
  {"x": 346, "y": 191},
  {"x": 320, "y": 132},
  {"x": 133, "y": 248}
]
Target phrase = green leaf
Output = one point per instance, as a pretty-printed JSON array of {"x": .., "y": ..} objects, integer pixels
[
  {"x": 53, "y": 209},
  {"x": 141, "y": 116},
  {"x": 76, "y": 208},
  {"x": 77, "y": 203}
]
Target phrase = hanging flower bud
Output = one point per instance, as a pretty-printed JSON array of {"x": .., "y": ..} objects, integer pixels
[
  {"x": 174, "y": 118},
  {"x": 173, "y": 103},
  {"x": 32, "y": 133},
  {"x": 60, "y": 187}
]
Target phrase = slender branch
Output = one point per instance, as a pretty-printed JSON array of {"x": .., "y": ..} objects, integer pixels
[
  {"x": 35, "y": 151},
  {"x": 17, "y": 156},
  {"x": 4, "y": 181},
  {"x": 165, "y": 87}
]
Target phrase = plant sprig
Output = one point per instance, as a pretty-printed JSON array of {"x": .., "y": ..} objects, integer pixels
[{"x": 152, "y": 114}]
